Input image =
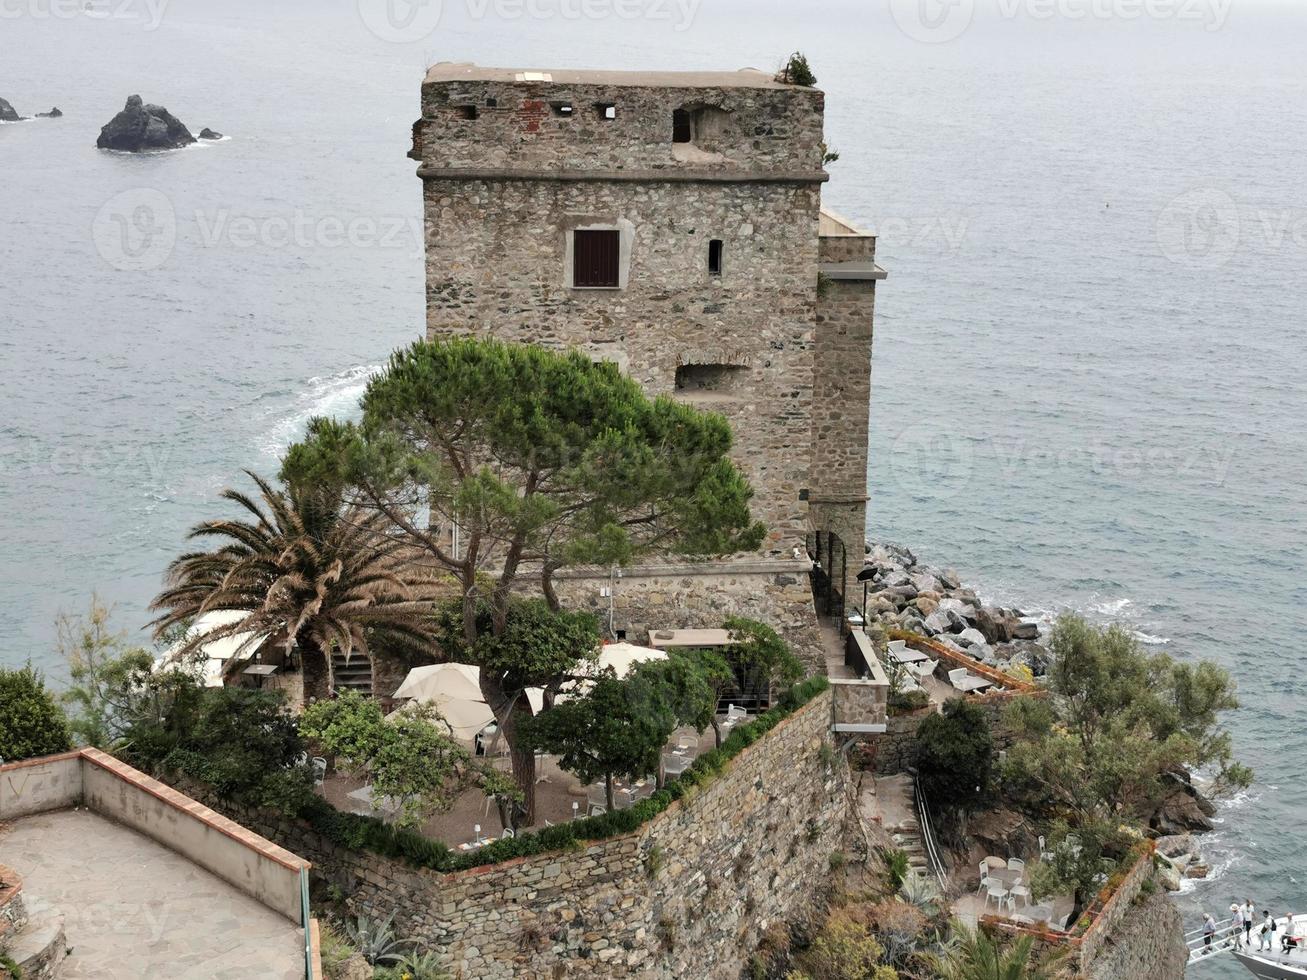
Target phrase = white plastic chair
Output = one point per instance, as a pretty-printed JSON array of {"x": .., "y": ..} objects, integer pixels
[
  {"x": 1016, "y": 864},
  {"x": 1021, "y": 892},
  {"x": 735, "y": 714},
  {"x": 508, "y": 833},
  {"x": 319, "y": 770},
  {"x": 924, "y": 669},
  {"x": 996, "y": 891}
]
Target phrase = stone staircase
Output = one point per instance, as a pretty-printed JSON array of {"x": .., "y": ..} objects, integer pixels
[
  {"x": 352, "y": 674},
  {"x": 907, "y": 837},
  {"x": 38, "y": 944}
]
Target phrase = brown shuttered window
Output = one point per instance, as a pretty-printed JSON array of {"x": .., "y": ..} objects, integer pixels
[{"x": 596, "y": 258}]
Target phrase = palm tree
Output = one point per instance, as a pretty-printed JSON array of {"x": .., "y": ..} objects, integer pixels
[
  {"x": 977, "y": 957},
  {"x": 306, "y": 572}
]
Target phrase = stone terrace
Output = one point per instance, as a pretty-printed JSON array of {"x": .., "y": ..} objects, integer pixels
[{"x": 135, "y": 909}]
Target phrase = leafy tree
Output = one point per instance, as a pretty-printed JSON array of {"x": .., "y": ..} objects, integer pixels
[
  {"x": 688, "y": 683},
  {"x": 617, "y": 729},
  {"x": 241, "y": 741},
  {"x": 540, "y": 460},
  {"x": 407, "y": 757},
  {"x": 307, "y": 572},
  {"x": 978, "y": 957},
  {"x": 1079, "y": 860},
  {"x": 115, "y": 686},
  {"x": 955, "y": 754},
  {"x": 1120, "y": 725},
  {"x": 31, "y": 722}
]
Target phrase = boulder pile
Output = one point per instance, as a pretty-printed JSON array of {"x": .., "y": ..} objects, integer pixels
[{"x": 904, "y": 593}]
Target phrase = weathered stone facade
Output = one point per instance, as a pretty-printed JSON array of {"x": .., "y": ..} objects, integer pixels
[
  {"x": 775, "y": 334},
  {"x": 688, "y": 895}
]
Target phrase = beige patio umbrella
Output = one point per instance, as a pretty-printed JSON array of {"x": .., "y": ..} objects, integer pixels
[{"x": 455, "y": 691}]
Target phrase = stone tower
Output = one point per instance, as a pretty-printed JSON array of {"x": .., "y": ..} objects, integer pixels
[{"x": 671, "y": 223}]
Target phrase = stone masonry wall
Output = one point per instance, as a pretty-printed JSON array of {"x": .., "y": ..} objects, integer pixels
[
  {"x": 523, "y": 126},
  {"x": 497, "y": 265},
  {"x": 702, "y": 597},
  {"x": 896, "y": 750},
  {"x": 688, "y": 895},
  {"x": 841, "y": 402}
]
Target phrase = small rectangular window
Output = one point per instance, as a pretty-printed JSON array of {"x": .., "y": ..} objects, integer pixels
[
  {"x": 468, "y": 111},
  {"x": 681, "y": 126},
  {"x": 563, "y": 109},
  {"x": 715, "y": 257},
  {"x": 596, "y": 257},
  {"x": 607, "y": 110}
]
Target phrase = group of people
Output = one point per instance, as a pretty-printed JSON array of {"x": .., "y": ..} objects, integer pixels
[{"x": 1243, "y": 927}]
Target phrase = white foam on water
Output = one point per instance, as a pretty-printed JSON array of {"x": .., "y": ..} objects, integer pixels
[
  {"x": 1111, "y": 607},
  {"x": 1151, "y": 641},
  {"x": 336, "y": 395}
]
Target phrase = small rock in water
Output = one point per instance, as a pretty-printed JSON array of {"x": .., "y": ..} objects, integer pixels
[
  {"x": 208, "y": 134},
  {"x": 143, "y": 127},
  {"x": 8, "y": 113},
  {"x": 1197, "y": 871},
  {"x": 950, "y": 579},
  {"x": 52, "y": 114}
]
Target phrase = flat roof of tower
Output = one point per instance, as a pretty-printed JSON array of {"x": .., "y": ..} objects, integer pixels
[{"x": 451, "y": 71}]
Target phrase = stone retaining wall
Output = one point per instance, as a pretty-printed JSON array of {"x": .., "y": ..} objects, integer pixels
[
  {"x": 687, "y": 895},
  {"x": 13, "y": 915}
]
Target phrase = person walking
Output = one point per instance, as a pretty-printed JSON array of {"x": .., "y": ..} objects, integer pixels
[
  {"x": 1249, "y": 912},
  {"x": 1266, "y": 938},
  {"x": 1236, "y": 924},
  {"x": 1289, "y": 940},
  {"x": 1209, "y": 930}
]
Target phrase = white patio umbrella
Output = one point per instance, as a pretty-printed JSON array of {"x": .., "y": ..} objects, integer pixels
[
  {"x": 455, "y": 691},
  {"x": 621, "y": 657},
  {"x": 216, "y": 653}
]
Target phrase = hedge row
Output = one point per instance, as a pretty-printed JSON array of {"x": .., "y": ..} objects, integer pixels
[{"x": 357, "y": 832}]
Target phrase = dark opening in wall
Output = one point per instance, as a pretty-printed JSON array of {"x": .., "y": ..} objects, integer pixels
[
  {"x": 710, "y": 381},
  {"x": 563, "y": 109},
  {"x": 715, "y": 257},
  {"x": 468, "y": 111},
  {"x": 681, "y": 132},
  {"x": 492, "y": 103},
  {"x": 607, "y": 110},
  {"x": 596, "y": 259}
]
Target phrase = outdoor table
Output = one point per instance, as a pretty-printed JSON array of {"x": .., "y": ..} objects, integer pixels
[
  {"x": 676, "y": 764},
  {"x": 908, "y": 656},
  {"x": 972, "y": 683},
  {"x": 386, "y": 805},
  {"x": 1008, "y": 876}
]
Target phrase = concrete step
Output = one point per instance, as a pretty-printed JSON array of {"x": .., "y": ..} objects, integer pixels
[{"x": 41, "y": 945}]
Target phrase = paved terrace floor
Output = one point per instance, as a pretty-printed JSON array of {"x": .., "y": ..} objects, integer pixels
[{"x": 134, "y": 909}]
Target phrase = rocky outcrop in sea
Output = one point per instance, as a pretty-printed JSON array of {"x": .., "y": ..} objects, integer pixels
[
  {"x": 141, "y": 127},
  {"x": 904, "y": 593},
  {"x": 54, "y": 113},
  {"x": 8, "y": 113}
]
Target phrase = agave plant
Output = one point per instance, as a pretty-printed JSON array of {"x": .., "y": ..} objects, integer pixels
[
  {"x": 376, "y": 940},
  {"x": 304, "y": 571},
  {"x": 921, "y": 892},
  {"x": 419, "y": 966}
]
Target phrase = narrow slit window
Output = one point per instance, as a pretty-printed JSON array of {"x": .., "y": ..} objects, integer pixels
[
  {"x": 715, "y": 257},
  {"x": 564, "y": 109},
  {"x": 681, "y": 132},
  {"x": 596, "y": 258}
]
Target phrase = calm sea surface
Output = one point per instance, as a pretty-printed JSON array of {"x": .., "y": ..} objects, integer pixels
[{"x": 1088, "y": 376}]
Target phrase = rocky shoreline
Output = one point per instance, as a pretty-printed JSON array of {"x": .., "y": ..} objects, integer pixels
[{"x": 905, "y": 593}]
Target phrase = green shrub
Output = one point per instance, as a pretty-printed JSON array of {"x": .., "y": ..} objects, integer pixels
[
  {"x": 903, "y": 702},
  {"x": 797, "y": 71},
  {"x": 31, "y": 722},
  {"x": 955, "y": 756}
]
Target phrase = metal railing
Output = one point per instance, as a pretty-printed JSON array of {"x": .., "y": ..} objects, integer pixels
[
  {"x": 928, "y": 834},
  {"x": 1223, "y": 941},
  {"x": 306, "y": 917}
]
